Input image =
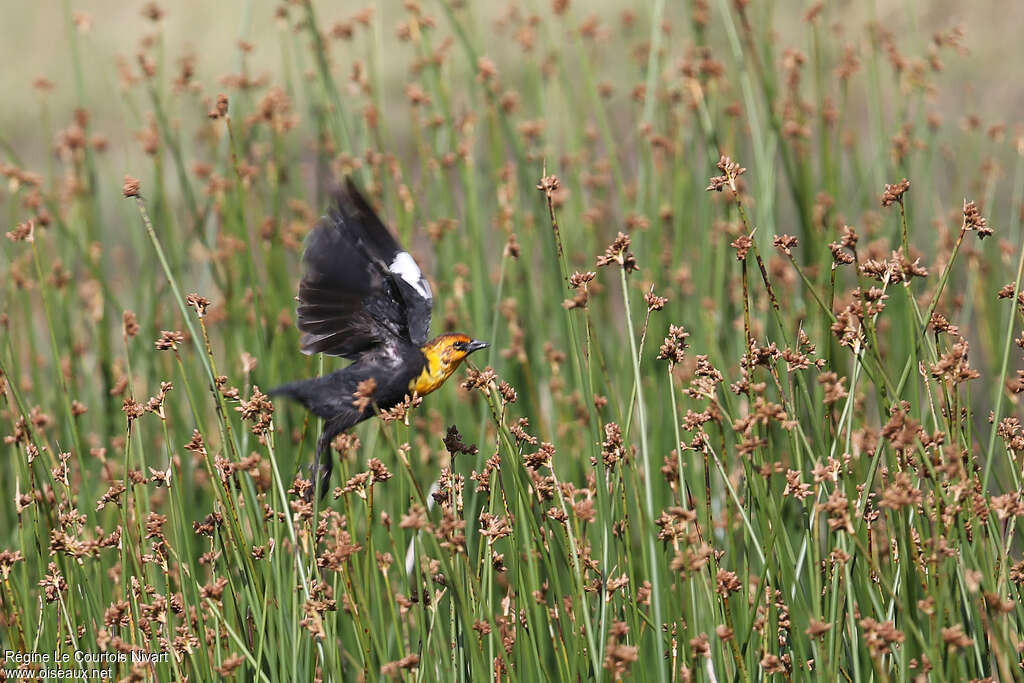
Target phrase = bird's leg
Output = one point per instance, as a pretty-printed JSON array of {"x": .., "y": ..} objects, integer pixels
[{"x": 320, "y": 470}]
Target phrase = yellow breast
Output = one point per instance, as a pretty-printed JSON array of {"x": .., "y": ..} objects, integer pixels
[{"x": 434, "y": 373}]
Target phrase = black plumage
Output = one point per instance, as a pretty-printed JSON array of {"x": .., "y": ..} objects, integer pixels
[
  {"x": 361, "y": 297},
  {"x": 350, "y": 298}
]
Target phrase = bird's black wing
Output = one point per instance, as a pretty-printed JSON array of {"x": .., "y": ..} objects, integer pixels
[{"x": 360, "y": 289}]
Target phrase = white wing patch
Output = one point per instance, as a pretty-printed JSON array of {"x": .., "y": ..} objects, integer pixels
[{"x": 405, "y": 267}]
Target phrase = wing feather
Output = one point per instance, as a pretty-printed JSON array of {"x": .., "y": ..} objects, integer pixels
[{"x": 360, "y": 289}]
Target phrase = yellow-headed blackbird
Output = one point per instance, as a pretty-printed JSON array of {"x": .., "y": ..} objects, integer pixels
[{"x": 363, "y": 297}]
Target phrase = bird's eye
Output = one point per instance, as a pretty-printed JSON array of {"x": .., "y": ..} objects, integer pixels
[{"x": 461, "y": 346}]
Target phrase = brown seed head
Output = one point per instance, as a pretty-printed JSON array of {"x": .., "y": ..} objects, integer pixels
[
  {"x": 512, "y": 246},
  {"x": 393, "y": 669},
  {"x": 7, "y": 561},
  {"x": 379, "y": 470},
  {"x": 673, "y": 349},
  {"x": 785, "y": 244},
  {"x": 541, "y": 457},
  {"x": 613, "y": 448},
  {"x": 817, "y": 628},
  {"x": 578, "y": 279},
  {"x": 131, "y": 186},
  {"x": 364, "y": 394},
  {"x": 132, "y": 409},
  {"x": 894, "y": 193},
  {"x": 455, "y": 445},
  {"x": 618, "y": 252},
  {"x": 742, "y": 245},
  {"x": 258, "y": 410},
  {"x": 169, "y": 340},
  {"x": 878, "y": 636},
  {"x": 22, "y": 233},
  {"x": 654, "y": 302},
  {"x": 730, "y": 172},
  {"x": 487, "y": 70},
  {"x": 548, "y": 184},
  {"x": 973, "y": 220},
  {"x": 479, "y": 379},
  {"x": 955, "y": 637},
  {"x": 840, "y": 257},
  {"x": 53, "y": 583},
  {"x": 199, "y": 303}
]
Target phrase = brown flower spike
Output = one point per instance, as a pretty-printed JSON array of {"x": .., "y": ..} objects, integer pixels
[
  {"x": 199, "y": 303},
  {"x": 364, "y": 394},
  {"x": 894, "y": 193},
  {"x": 973, "y": 220},
  {"x": 549, "y": 184},
  {"x": 618, "y": 252},
  {"x": 21, "y": 233},
  {"x": 730, "y": 170},
  {"x": 169, "y": 340},
  {"x": 130, "y": 187}
]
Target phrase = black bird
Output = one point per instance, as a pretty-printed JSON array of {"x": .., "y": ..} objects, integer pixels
[{"x": 363, "y": 297}]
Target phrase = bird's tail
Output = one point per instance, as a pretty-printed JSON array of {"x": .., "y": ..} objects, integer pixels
[
  {"x": 304, "y": 391},
  {"x": 312, "y": 394}
]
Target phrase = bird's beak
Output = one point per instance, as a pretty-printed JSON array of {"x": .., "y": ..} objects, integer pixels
[{"x": 476, "y": 345}]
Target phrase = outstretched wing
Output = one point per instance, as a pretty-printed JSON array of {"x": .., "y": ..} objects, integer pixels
[{"x": 360, "y": 289}]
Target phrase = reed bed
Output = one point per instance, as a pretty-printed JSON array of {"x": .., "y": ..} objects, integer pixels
[{"x": 750, "y": 410}]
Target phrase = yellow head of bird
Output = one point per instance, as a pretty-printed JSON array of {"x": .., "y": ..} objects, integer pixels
[{"x": 443, "y": 355}]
